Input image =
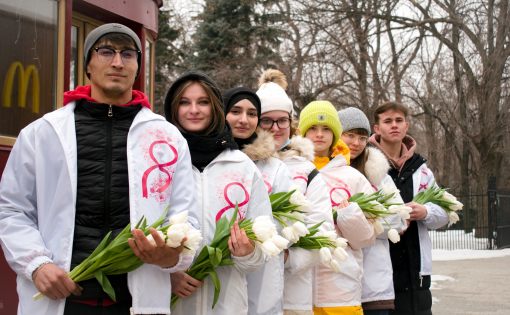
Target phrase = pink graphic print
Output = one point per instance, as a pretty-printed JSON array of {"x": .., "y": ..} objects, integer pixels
[
  {"x": 338, "y": 191},
  {"x": 268, "y": 186},
  {"x": 335, "y": 202},
  {"x": 423, "y": 185},
  {"x": 231, "y": 204},
  {"x": 161, "y": 184},
  {"x": 305, "y": 178}
]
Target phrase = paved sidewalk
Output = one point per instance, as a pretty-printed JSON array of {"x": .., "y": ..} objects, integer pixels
[{"x": 468, "y": 287}]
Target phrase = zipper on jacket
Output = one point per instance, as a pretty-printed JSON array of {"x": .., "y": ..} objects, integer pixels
[
  {"x": 421, "y": 281},
  {"x": 108, "y": 171}
]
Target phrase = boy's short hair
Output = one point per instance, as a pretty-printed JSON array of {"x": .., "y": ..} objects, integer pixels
[{"x": 390, "y": 105}]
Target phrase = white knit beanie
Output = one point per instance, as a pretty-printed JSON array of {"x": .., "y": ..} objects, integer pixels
[{"x": 273, "y": 97}]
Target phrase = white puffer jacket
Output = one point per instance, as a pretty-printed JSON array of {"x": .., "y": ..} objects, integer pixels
[
  {"x": 38, "y": 196},
  {"x": 377, "y": 271},
  {"x": 265, "y": 285},
  {"x": 344, "y": 288},
  {"x": 297, "y": 156},
  {"x": 229, "y": 179}
]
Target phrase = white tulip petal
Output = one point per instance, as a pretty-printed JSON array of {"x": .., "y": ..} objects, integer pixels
[
  {"x": 378, "y": 228},
  {"x": 181, "y": 217},
  {"x": 269, "y": 248},
  {"x": 290, "y": 234},
  {"x": 264, "y": 228},
  {"x": 393, "y": 236},
  {"x": 300, "y": 228},
  {"x": 340, "y": 254},
  {"x": 280, "y": 242},
  {"x": 325, "y": 255}
]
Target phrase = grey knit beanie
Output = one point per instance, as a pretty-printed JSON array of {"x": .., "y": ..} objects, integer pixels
[
  {"x": 104, "y": 29},
  {"x": 353, "y": 118}
]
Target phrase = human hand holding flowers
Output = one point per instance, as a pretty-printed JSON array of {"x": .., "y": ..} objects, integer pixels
[
  {"x": 239, "y": 244},
  {"x": 184, "y": 285},
  {"x": 154, "y": 250},
  {"x": 442, "y": 198},
  {"x": 229, "y": 238},
  {"x": 116, "y": 256},
  {"x": 54, "y": 282},
  {"x": 376, "y": 207},
  {"x": 418, "y": 211}
]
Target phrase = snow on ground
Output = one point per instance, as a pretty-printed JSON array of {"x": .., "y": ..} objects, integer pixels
[
  {"x": 461, "y": 246},
  {"x": 459, "y": 254}
]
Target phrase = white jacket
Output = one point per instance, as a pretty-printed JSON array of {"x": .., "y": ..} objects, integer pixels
[
  {"x": 38, "y": 194},
  {"x": 377, "y": 269},
  {"x": 436, "y": 218},
  {"x": 299, "y": 266},
  {"x": 265, "y": 285},
  {"x": 229, "y": 179},
  {"x": 333, "y": 289}
]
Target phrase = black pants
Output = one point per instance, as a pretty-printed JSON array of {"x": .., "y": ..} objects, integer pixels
[
  {"x": 75, "y": 308},
  {"x": 414, "y": 300}
]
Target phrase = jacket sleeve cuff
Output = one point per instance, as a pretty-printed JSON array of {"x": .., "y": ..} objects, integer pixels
[
  {"x": 250, "y": 262},
  {"x": 36, "y": 263},
  {"x": 181, "y": 265}
]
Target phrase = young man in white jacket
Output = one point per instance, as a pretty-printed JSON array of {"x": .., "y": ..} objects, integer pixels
[
  {"x": 102, "y": 161},
  {"x": 412, "y": 256}
]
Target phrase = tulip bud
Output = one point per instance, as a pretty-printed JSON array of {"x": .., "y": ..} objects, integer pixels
[
  {"x": 334, "y": 265},
  {"x": 378, "y": 228},
  {"x": 325, "y": 255},
  {"x": 264, "y": 228},
  {"x": 181, "y": 217},
  {"x": 341, "y": 242},
  {"x": 453, "y": 218},
  {"x": 340, "y": 254},
  {"x": 280, "y": 242},
  {"x": 300, "y": 228},
  {"x": 393, "y": 236},
  {"x": 269, "y": 248},
  {"x": 290, "y": 234}
]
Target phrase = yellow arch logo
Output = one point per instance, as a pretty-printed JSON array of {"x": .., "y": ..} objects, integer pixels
[{"x": 24, "y": 76}]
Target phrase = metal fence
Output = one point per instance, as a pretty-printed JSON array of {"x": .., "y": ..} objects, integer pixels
[
  {"x": 484, "y": 222},
  {"x": 471, "y": 232}
]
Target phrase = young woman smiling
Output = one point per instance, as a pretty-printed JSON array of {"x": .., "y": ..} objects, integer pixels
[
  {"x": 242, "y": 107},
  {"x": 223, "y": 177}
]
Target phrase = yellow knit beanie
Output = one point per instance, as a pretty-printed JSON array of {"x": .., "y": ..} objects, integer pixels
[{"x": 320, "y": 113}]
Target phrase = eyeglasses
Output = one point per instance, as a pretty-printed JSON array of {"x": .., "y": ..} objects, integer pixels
[
  {"x": 106, "y": 54},
  {"x": 354, "y": 137},
  {"x": 281, "y": 123}
]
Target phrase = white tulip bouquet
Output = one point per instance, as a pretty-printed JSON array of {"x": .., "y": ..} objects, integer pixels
[
  {"x": 115, "y": 256},
  {"x": 378, "y": 205},
  {"x": 261, "y": 230},
  {"x": 289, "y": 209},
  {"x": 331, "y": 247},
  {"x": 442, "y": 198}
]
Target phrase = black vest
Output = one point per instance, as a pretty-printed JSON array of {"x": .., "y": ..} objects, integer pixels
[{"x": 102, "y": 201}]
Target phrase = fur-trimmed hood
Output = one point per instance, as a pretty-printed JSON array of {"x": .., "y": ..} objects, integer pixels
[
  {"x": 262, "y": 147},
  {"x": 377, "y": 165},
  {"x": 298, "y": 146}
]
